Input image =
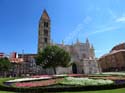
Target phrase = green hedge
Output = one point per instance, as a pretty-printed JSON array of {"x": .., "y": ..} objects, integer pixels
[
  {"x": 57, "y": 88},
  {"x": 61, "y": 88}
]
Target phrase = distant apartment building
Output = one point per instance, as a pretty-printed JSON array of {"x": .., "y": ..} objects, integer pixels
[
  {"x": 114, "y": 60},
  {"x": 13, "y": 55},
  {"x": 14, "y": 58},
  {"x": 22, "y": 65},
  {"x": 2, "y": 55},
  {"x": 27, "y": 57}
]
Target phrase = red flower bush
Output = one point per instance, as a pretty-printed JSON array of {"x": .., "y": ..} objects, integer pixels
[{"x": 37, "y": 83}]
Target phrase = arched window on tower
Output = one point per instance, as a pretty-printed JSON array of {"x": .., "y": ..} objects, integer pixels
[
  {"x": 46, "y": 24},
  {"x": 45, "y": 32},
  {"x": 45, "y": 40}
]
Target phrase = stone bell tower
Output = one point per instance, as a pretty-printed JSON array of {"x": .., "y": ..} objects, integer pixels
[{"x": 44, "y": 31}]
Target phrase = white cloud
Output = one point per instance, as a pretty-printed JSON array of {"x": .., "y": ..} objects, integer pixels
[
  {"x": 74, "y": 34},
  {"x": 112, "y": 13},
  {"x": 102, "y": 50},
  {"x": 101, "y": 30},
  {"x": 87, "y": 20},
  {"x": 105, "y": 30},
  {"x": 120, "y": 19}
]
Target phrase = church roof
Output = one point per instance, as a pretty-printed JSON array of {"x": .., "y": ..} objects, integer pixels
[
  {"x": 45, "y": 15},
  {"x": 113, "y": 52}
]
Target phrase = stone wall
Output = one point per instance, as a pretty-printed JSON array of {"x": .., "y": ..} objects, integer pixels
[
  {"x": 91, "y": 66},
  {"x": 115, "y": 60},
  {"x": 64, "y": 70}
]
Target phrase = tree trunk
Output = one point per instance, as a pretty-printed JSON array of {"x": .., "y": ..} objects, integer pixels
[{"x": 54, "y": 69}]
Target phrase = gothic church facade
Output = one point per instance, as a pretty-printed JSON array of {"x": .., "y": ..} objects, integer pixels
[{"x": 81, "y": 53}]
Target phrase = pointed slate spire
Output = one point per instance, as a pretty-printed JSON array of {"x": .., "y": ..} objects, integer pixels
[
  {"x": 87, "y": 40},
  {"x": 77, "y": 41},
  {"x": 87, "y": 43},
  {"x": 45, "y": 15},
  {"x": 92, "y": 47},
  {"x": 72, "y": 43}
]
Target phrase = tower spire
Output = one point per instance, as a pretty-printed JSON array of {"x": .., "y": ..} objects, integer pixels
[
  {"x": 92, "y": 46},
  {"x": 44, "y": 37},
  {"x": 87, "y": 43},
  {"x": 45, "y": 15},
  {"x": 77, "y": 40},
  {"x": 87, "y": 40}
]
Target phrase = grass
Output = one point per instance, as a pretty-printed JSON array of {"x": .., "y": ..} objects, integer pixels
[
  {"x": 3, "y": 80},
  {"x": 122, "y": 90},
  {"x": 5, "y": 92},
  {"x": 1, "y": 84}
]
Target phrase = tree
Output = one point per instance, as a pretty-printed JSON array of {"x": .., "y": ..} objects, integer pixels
[
  {"x": 5, "y": 65},
  {"x": 53, "y": 56}
]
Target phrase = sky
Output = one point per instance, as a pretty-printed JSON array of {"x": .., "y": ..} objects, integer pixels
[{"x": 101, "y": 21}]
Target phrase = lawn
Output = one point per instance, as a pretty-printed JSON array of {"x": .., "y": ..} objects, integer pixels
[
  {"x": 122, "y": 90},
  {"x": 5, "y": 92},
  {"x": 1, "y": 83}
]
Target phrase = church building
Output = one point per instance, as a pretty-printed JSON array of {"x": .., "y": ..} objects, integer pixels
[{"x": 82, "y": 54}]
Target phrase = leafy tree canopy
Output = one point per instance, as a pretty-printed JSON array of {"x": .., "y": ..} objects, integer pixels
[
  {"x": 4, "y": 64},
  {"x": 53, "y": 56}
]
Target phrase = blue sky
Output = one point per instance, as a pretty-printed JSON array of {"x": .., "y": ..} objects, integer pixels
[{"x": 102, "y": 21}]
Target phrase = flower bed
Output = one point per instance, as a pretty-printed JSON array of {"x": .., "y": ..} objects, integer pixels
[
  {"x": 113, "y": 73},
  {"x": 110, "y": 78},
  {"x": 59, "y": 76},
  {"x": 76, "y": 75},
  {"x": 85, "y": 81},
  {"x": 28, "y": 79},
  {"x": 45, "y": 80},
  {"x": 37, "y": 83},
  {"x": 58, "y": 83},
  {"x": 38, "y": 76}
]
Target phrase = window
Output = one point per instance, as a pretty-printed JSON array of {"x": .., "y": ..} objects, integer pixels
[
  {"x": 45, "y": 40},
  {"x": 84, "y": 55},
  {"x": 45, "y": 24},
  {"x": 46, "y": 32}
]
